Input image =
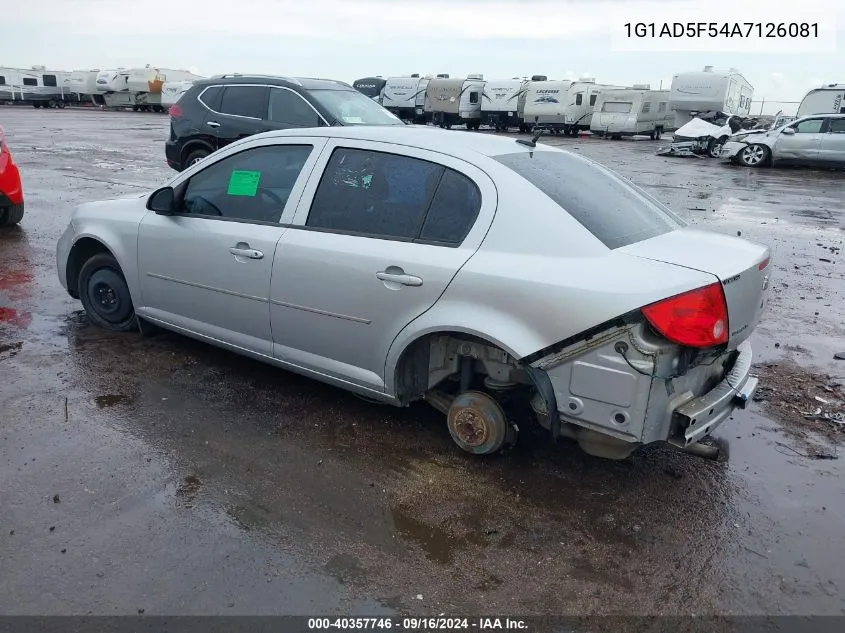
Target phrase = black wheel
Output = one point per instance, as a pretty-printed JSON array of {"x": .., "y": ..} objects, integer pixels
[
  {"x": 477, "y": 423},
  {"x": 194, "y": 157},
  {"x": 135, "y": 108},
  {"x": 714, "y": 147},
  {"x": 653, "y": 135},
  {"x": 658, "y": 132},
  {"x": 36, "y": 105},
  {"x": 105, "y": 294},
  {"x": 754, "y": 155},
  {"x": 11, "y": 215}
]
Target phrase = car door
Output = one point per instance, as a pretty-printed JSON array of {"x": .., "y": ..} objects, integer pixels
[
  {"x": 287, "y": 109},
  {"x": 242, "y": 113},
  {"x": 206, "y": 268},
  {"x": 832, "y": 151},
  {"x": 376, "y": 240},
  {"x": 801, "y": 147}
]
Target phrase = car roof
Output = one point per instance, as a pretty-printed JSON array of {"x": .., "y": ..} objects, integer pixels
[
  {"x": 832, "y": 115},
  {"x": 453, "y": 142},
  {"x": 308, "y": 83}
]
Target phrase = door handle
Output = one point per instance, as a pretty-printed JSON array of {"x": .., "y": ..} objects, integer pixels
[
  {"x": 212, "y": 124},
  {"x": 405, "y": 280},
  {"x": 251, "y": 253}
]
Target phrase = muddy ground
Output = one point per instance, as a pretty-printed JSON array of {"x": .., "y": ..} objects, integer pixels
[{"x": 164, "y": 476}]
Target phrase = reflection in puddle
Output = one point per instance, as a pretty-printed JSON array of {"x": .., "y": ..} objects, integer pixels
[
  {"x": 438, "y": 545},
  {"x": 111, "y": 400},
  {"x": 19, "y": 318}
]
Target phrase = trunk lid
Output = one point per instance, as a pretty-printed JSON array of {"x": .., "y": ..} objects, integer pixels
[{"x": 741, "y": 266}]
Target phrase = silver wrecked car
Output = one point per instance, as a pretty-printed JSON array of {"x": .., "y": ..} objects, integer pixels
[
  {"x": 816, "y": 141},
  {"x": 476, "y": 272}
]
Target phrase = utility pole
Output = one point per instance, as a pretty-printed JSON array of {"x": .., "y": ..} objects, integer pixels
[{"x": 761, "y": 105}]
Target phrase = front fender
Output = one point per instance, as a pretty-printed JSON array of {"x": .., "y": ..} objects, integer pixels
[{"x": 124, "y": 248}]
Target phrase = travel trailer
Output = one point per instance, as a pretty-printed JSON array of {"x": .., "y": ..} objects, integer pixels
[
  {"x": 405, "y": 96},
  {"x": 455, "y": 101},
  {"x": 500, "y": 103},
  {"x": 693, "y": 93},
  {"x": 37, "y": 86},
  {"x": 544, "y": 105},
  {"x": 582, "y": 97},
  {"x": 829, "y": 99},
  {"x": 138, "y": 88},
  {"x": 370, "y": 86},
  {"x": 520, "y": 107},
  {"x": 631, "y": 112}
]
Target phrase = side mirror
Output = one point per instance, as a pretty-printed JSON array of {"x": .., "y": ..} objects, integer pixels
[
  {"x": 162, "y": 201},
  {"x": 789, "y": 131}
]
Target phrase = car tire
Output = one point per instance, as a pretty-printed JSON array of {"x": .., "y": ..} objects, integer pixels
[
  {"x": 11, "y": 215},
  {"x": 105, "y": 294},
  {"x": 755, "y": 155},
  {"x": 195, "y": 156},
  {"x": 714, "y": 146}
]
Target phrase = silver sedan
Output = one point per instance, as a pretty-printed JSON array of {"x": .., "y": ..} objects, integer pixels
[
  {"x": 817, "y": 140},
  {"x": 481, "y": 274}
]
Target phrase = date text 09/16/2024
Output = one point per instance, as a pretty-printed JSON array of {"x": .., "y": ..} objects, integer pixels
[
  {"x": 418, "y": 624},
  {"x": 722, "y": 29}
]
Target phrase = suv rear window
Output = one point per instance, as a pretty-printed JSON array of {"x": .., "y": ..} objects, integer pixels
[{"x": 616, "y": 211}]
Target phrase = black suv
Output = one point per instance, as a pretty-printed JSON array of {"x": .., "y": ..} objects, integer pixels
[{"x": 216, "y": 111}]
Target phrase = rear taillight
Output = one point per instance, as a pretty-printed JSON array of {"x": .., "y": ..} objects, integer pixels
[
  {"x": 698, "y": 318},
  {"x": 175, "y": 111}
]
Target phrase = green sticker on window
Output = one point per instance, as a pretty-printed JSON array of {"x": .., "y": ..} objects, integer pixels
[{"x": 243, "y": 183}]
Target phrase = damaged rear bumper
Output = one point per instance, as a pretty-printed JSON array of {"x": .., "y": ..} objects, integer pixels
[{"x": 700, "y": 416}]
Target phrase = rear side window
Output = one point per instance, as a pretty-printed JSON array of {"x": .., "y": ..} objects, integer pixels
[
  {"x": 453, "y": 210},
  {"x": 2, "y": 80},
  {"x": 288, "y": 108},
  {"x": 579, "y": 98},
  {"x": 615, "y": 211},
  {"x": 374, "y": 193},
  {"x": 593, "y": 99},
  {"x": 49, "y": 80},
  {"x": 211, "y": 97},
  {"x": 837, "y": 126},
  {"x": 248, "y": 101}
]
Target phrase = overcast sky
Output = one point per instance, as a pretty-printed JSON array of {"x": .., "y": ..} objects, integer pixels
[{"x": 348, "y": 39}]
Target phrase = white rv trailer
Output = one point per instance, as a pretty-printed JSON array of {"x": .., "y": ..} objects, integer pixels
[
  {"x": 500, "y": 103},
  {"x": 371, "y": 87},
  {"x": 403, "y": 95},
  {"x": 520, "y": 108},
  {"x": 693, "y": 93},
  {"x": 631, "y": 112},
  {"x": 544, "y": 105},
  {"x": 138, "y": 88},
  {"x": 37, "y": 86},
  {"x": 455, "y": 101},
  {"x": 582, "y": 96},
  {"x": 829, "y": 99}
]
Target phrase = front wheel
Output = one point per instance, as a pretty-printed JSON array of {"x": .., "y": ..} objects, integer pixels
[
  {"x": 105, "y": 294},
  {"x": 714, "y": 147},
  {"x": 11, "y": 215},
  {"x": 754, "y": 155}
]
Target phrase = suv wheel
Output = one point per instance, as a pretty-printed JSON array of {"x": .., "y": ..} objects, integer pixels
[{"x": 194, "y": 157}]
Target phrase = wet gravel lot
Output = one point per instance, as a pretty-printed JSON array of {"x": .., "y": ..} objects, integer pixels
[{"x": 164, "y": 476}]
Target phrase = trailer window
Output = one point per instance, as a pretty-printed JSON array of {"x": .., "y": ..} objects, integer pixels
[
  {"x": 593, "y": 99},
  {"x": 613, "y": 209},
  {"x": 579, "y": 98},
  {"x": 661, "y": 107},
  {"x": 30, "y": 81},
  {"x": 49, "y": 80},
  {"x": 2, "y": 80},
  {"x": 622, "y": 107},
  {"x": 647, "y": 106},
  {"x": 473, "y": 97}
]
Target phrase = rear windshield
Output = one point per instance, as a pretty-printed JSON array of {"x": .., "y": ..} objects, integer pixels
[
  {"x": 616, "y": 211},
  {"x": 350, "y": 107},
  {"x": 617, "y": 106}
]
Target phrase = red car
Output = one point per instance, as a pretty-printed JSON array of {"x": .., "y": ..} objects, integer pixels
[{"x": 11, "y": 192}]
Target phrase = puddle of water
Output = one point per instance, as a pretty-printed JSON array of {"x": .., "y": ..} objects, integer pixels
[
  {"x": 19, "y": 318},
  {"x": 110, "y": 400}
]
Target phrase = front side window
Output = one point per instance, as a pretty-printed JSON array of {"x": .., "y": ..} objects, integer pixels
[
  {"x": 810, "y": 126},
  {"x": 246, "y": 101},
  {"x": 593, "y": 99},
  {"x": 473, "y": 97},
  {"x": 30, "y": 81},
  {"x": 350, "y": 107},
  {"x": 2, "y": 80},
  {"x": 288, "y": 108},
  {"x": 619, "y": 107},
  {"x": 579, "y": 98},
  {"x": 49, "y": 80},
  {"x": 647, "y": 106},
  {"x": 614, "y": 210},
  {"x": 382, "y": 195},
  {"x": 253, "y": 185}
]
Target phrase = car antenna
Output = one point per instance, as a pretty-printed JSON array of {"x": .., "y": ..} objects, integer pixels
[{"x": 538, "y": 132}]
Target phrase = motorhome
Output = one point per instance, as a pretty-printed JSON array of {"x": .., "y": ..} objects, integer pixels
[
  {"x": 36, "y": 85},
  {"x": 696, "y": 92},
  {"x": 500, "y": 103},
  {"x": 829, "y": 99},
  {"x": 370, "y": 86},
  {"x": 455, "y": 101},
  {"x": 403, "y": 95},
  {"x": 544, "y": 105},
  {"x": 581, "y": 97},
  {"x": 636, "y": 111}
]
